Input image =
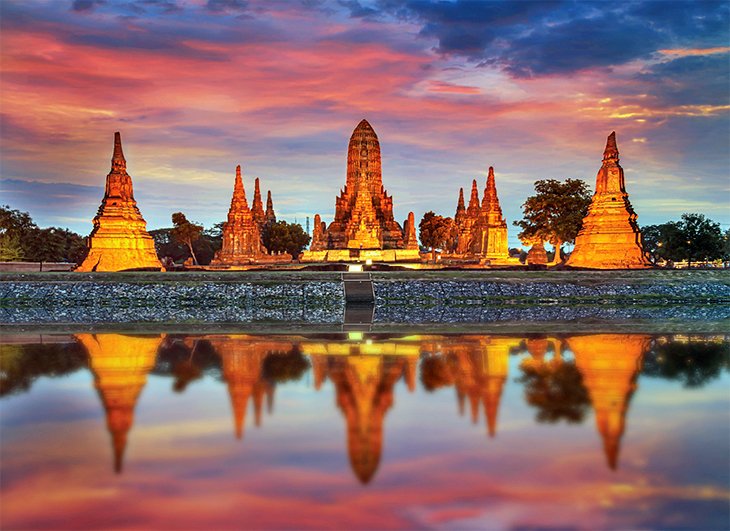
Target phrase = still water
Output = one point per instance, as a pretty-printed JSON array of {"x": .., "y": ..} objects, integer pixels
[{"x": 365, "y": 431}]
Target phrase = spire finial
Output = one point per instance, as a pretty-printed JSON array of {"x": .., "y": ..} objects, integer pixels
[
  {"x": 239, "y": 192},
  {"x": 118, "y": 160},
  {"x": 490, "y": 179},
  {"x": 460, "y": 204},
  {"x": 611, "y": 151}
]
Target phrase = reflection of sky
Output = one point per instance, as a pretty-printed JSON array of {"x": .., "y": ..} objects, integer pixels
[
  {"x": 185, "y": 469},
  {"x": 196, "y": 87}
]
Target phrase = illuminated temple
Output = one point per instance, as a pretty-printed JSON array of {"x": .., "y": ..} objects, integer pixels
[
  {"x": 610, "y": 237},
  {"x": 364, "y": 227},
  {"x": 480, "y": 230},
  {"x": 119, "y": 239}
]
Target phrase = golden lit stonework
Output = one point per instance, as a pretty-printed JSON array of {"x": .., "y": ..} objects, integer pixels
[
  {"x": 364, "y": 227},
  {"x": 610, "y": 237},
  {"x": 480, "y": 231},
  {"x": 119, "y": 240}
]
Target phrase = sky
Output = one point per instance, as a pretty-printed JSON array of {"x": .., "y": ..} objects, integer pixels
[{"x": 451, "y": 87}]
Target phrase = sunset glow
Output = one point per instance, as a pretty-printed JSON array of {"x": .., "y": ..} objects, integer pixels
[{"x": 197, "y": 87}]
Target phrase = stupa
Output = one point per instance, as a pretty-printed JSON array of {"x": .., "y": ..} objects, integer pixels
[
  {"x": 120, "y": 365},
  {"x": 609, "y": 364},
  {"x": 241, "y": 235},
  {"x": 119, "y": 240},
  {"x": 610, "y": 237},
  {"x": 364, "y": 227},
  {"x": 480, "y": 229}
]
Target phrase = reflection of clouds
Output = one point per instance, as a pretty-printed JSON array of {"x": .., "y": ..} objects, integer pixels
[{"x": 185, "y": 470}]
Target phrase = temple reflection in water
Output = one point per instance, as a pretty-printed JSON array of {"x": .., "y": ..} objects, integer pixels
[{"x": 563, "y": 377}]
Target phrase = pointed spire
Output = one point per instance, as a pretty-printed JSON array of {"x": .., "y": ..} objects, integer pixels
[
  {"x": 611, "y": 151},
  {"x": 474, "y": 207},
  {"x": 460, "y": 205},
  {"x": 239, "y": 192},
  {"x": 257, "y": 208},
  {"x": 270, "y": 214},
  {"x": 490, "y": 180},
  {"x": 118, "y": 160}
]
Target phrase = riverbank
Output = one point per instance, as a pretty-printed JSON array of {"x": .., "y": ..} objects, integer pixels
[{"x": 293, "y": 299}]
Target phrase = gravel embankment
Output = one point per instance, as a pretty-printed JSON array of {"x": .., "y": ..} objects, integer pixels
[
  {"x": 319, "y": 298},
  {"x": 120, "y": 302}
]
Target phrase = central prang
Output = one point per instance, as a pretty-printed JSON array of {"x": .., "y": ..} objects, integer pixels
[{"x": 364, "y": 227}]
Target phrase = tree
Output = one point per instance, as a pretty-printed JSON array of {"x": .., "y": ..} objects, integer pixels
[
  {"x": 434, "y": 232},
  {"x": 692, "y": 238},
  {"x": 186, "y": 232},
  {"x": 283, "y": 237},
  {"x": 694, "y": 363},
  {"x": 44, "y": 245},
  {"x": 704, "y": 238},
  {"x": 281, "y": 367},
  {"x": 435, "y": 373},
  {"x": 556, "y": 389},
  {"x": 555, "y": 213},
  {"x": 664, "y": 242},
  {"x": 10, "y": 249}
]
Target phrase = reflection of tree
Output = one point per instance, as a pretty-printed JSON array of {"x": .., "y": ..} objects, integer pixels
[
  {"x": 21, "y": 365},
  {"x": 435, "y": 373},
  {"x": 186, "y": 362},
  {"x": 286, "y": 366},
  {"x": 694, "y": 363},
  {"x": 556, "y": 389}
]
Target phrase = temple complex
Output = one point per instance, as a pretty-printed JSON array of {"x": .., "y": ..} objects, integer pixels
[
  {"x": 242, "y": 231},
  {"x": 120, "y": 365},
  {"x": 119, "y": 240},
  {"x": 480, "y": 230},
  {"x": 609, "y": 364},
  {"x": 610, "y": 237},
  {"x": 364, "y": 227}
]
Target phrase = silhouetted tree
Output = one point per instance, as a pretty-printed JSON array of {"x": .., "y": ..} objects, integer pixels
[
  {"x": 21, "y": 365},
  {"x": 664, "y": 242},
  {"x": 694, "y": 363},
  {"x": 186, "y": 232},
  {"x": 434, "y": 231},
  {"x": 704, "y": 238},
  {"x": 556, "y": 389},
  {"x": 283, "y": 367},
  {"x": 555, "y": 213},
  {"x": 283, "y": 237}
]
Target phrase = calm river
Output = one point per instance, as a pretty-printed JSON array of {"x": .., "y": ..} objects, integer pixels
[{"x": 363, "y": 431}]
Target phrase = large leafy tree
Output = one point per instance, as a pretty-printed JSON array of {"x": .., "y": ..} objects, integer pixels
[
  {"x": 555, "y": 213},
  {"x": 693, "y": 238},
  {"x": 434, "y": 231},
  {"x": 22, "y": 239},
  {"x": 556, "y": 389},
  {"x": 186, "y": 232},
  {"x": 704, "y": 238},
  {"x": 283, "y": 237},
  {"x": 664, "y": 242}
]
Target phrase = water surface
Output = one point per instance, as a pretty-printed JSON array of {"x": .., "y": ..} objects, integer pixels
[{"x": 365, "y": 431}]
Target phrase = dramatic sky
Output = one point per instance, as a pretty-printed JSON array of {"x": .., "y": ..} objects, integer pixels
[{"x": 198, "y": 86}]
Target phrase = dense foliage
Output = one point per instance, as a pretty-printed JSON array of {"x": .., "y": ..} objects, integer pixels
[
  {"x": 555, "y": 213},
  {"x": 283, "y": 237},
  {"x": 694, "y": 238},
  {"x": 434, "y": 231},
  {"x": 22, "y": 240}
]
